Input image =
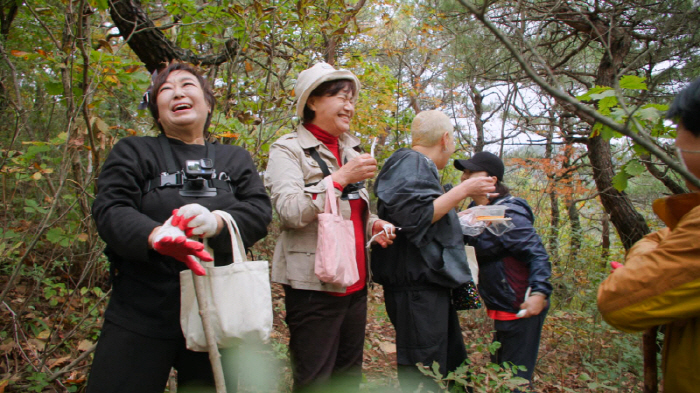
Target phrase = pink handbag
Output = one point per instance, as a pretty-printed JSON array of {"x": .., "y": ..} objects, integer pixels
[{"x": 335, "y": 251}]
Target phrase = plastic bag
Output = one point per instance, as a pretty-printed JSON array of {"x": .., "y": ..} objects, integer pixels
[
  {"x": 499, "y": 227},
  {"x": 473, "y": 227},
  {"x": 470, "y": 225}
]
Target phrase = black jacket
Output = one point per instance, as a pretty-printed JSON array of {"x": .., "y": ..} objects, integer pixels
[
  {"x": 423, "y": 253},
  {"x": 512, "y": 262},
  {"x": 145, "y": 284}
]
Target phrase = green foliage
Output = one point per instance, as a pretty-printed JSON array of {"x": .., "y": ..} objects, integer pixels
[
  {"x": 489, "y": 378},
  {"x": 647, "y": 118}
]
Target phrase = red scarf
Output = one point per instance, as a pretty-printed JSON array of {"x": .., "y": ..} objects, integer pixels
[{"x": 327, "y": 139}]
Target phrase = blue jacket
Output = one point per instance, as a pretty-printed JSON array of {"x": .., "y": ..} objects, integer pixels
[{"x": 511, "y": 263}]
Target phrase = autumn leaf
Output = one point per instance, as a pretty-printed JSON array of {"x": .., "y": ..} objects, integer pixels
[
  {"x": 132, "y": 69},
  {"x": 100, "y": 124},
  {"x": 106, "y": 45},
  {"x": 18, "y": 53},
  {"x": 36, "y": 176},
  {"x": 83, "y": 237},
  {"x": 58, "y": 362},
  {"x": 84, "y": 345}
]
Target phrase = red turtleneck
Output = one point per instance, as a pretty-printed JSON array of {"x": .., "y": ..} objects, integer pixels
[{"x": 357, "y": 211}]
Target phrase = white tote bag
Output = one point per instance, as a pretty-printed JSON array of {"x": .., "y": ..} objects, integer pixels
[{"x": 238, "y": 296}]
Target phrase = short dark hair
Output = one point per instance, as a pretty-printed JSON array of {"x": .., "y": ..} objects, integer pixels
[
  {"x": 327, "y": 89},
  {"x": 685, "y": 108},
  {"x": 502, "y": 189},
  {"x": 160, "y": 79}
]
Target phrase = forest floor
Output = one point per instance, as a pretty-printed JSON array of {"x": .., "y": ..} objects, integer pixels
[
  {"x": 568, "y": 358},
  {"x": 577, "y": 353}
]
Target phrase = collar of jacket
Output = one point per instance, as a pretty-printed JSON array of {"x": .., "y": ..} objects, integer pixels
[
  {"x": 672, "y": 209},
  {"x": 307, "y": 140}
]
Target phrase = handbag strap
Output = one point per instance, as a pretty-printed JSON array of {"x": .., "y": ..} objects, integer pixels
[
  {"x": 331, "y": 199},
  {"x": 236, "y": 241}
]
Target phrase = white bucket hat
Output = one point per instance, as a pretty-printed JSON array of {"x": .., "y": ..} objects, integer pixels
[{"x": 311, "y": 78}]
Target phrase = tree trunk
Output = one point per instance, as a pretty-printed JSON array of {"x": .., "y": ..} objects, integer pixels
[
  {"x": 478, "y": 102},
  {"x": 553, "y": 236},
  {"x": 630, "y": 225},
  {"x": 150, "y": 44},
  {"x": 575, "y": 241},
  {"x": 605, "y": 241},
  {"x": 144, "y": 38}
]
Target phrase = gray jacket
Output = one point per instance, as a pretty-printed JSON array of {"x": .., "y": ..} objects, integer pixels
[{"x": 293, "y": 178}]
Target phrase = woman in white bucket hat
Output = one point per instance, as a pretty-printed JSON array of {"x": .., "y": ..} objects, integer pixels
[{"x": 326, "y": 321}]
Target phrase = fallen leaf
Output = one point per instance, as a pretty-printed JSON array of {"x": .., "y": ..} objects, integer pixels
[
  {"x": 84, "y": 345},
  {"x": 7, "y": 346},
  {"x": 3, "y": 384},
  {"x": 387, "y": 347},
  {"x": 38, "y": 344},
  {"x": 58, "y": 362}
]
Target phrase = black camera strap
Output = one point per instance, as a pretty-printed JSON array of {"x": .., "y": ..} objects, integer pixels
[
  {"x": 324, "y": 167},
  {"x": 174, "y": 176},
  {"x": 349, "y": 189},
  {"x": 313, "y": 152},
  {"x": 168, "y": 152}
]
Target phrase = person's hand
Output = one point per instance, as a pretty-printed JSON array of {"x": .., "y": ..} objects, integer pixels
[
  {"x": 197, "y": 220},
  {"x": 478, "y": 186},
  {"x": 360, "y": 168},
  {"x": 171, "y": 241},
  {"x": 386, "y": 232},
  {"x": 533, "y": 305}
]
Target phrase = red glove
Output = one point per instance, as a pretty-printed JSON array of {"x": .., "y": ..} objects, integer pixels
[
  {"x": 616, "y": 265},
  {"x": 171, "y": 241}
]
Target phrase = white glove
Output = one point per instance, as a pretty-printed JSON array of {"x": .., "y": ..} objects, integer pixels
[
  {"x": 195, "y": 220},
  {"x": 171, "y": 241}
]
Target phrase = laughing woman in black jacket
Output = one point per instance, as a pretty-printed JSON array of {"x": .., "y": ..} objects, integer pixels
[
  {"x": 514, "y": 270},
  {"x": 138, "y": 190}
]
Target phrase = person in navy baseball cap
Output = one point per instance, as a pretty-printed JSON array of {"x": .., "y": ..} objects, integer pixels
[
  {"x": 514, "y": 270},
  {"x": 483, "y": 161}
]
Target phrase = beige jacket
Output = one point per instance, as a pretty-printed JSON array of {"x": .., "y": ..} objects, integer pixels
[{"x": 293, "y": 178}]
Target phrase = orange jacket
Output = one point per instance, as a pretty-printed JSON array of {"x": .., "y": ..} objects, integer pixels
[{"x": 660, "y": 285}]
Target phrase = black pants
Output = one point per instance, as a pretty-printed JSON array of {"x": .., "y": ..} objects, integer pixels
[
  {"x": 127, "y": 362},
  {"x": 427, "y": 331},
  {"x": 520, "y": 342},
  {"x": 327, "y": 336}
]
